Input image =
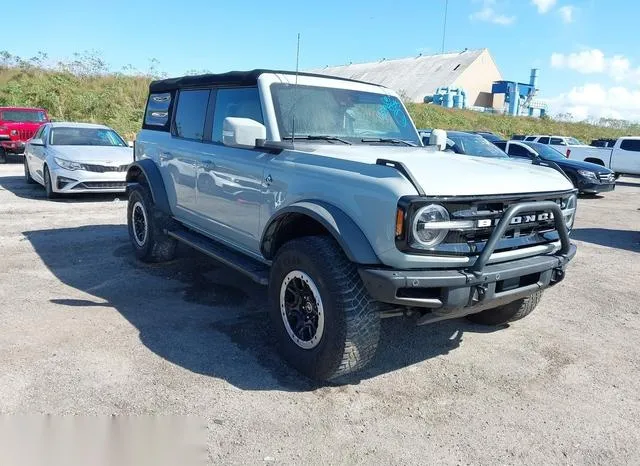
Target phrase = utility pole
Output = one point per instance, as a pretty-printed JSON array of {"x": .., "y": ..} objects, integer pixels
[{"x": 444, "y": 27}]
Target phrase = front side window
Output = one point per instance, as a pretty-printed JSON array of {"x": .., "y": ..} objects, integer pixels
[
  {"x": 518, "y": 151},
  {"x": 355, "y": 116},
  {"x": 38, "y": 134},
  {"x": 242, "y": 102},
  {"x": 23, "y": 116},
  {"x": 543, "y": 140},
  {"x": 631, "y": 145},
  {"x": 557, "y": 142},
  {"x": 572, "y": 142},
  {"x": 61, "y": 136},
  {"x": 191, "y": 113},
  {"x": 530, "y": 138}
]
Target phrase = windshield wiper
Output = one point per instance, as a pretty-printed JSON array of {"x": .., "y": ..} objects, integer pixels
[
  {"x": 389, "y": 140},
  {"x": 313, "y": 137}
]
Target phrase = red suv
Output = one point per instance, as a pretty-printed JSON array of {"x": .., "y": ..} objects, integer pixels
[{"x": 17, "y": 125}]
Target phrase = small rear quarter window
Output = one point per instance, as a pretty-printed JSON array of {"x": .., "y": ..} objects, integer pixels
[{"x": 158, "y": 109}]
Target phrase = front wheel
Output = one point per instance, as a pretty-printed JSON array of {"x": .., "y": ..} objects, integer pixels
[
  {"x": 509, "y": 312},
  {"x": 326, "y": 324},
  {"x": 48, "y": 188},
  {"x": 147, "y": 227}
]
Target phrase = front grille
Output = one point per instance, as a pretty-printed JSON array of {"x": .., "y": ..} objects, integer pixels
[
  {"x": 532, "y": 228},
  {"x": 606, "y": 177},
  {"x": 104, "y": 168},
  {"x": 101, "y": 185},
  {"x": 25, "y": 134}
]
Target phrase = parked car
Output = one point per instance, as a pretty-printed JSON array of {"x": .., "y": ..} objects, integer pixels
[
  {"x": 17, "y": 126},
  {"x": 586, "y": 177},
  {"x": 623, "y": 158},
  {"x": 465, "y": 143},
  {"x": 563, "y": 144},
  {"x": 71, "y": 158},
  {"x": 351, "y": 219},
  {"x": 489, "y": 136}
]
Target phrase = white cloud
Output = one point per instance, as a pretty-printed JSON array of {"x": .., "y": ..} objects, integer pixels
[
  {"x": 595, "y": 101},
  {"x": 489, "y": 13},
  {"x": 619, "y": 67},
  {"x": 566, "y": 13},
  {"x": 544, "y": 5},
  {"x": 586, "y": 62}
]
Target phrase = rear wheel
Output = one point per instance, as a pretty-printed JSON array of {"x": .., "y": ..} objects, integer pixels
[
  {"x": 3, "y": 156},
  {"x": 326, "y": 324},
  {"x": 27, "y": 173},
  {"x": 509, "y": 312},
  {"x": 48, "y": 188},
  {"x": 147, "y": 226}
]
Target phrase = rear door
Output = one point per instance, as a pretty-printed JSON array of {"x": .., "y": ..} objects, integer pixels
[
  {"x": 230, "y": 187},
  {"x": 626, "y": 159},
  {"x": 179, "y": 160}
]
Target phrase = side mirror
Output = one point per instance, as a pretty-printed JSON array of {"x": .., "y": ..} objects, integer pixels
[
  {"x": 438, "y": 138},
  {"x": 130, "y": 143},
  {"x": 36, "y": 142},
  {"x": 242, "y": 132}
]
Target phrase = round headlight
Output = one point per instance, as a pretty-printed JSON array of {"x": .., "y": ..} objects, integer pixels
[
  {"x": 569, "y": 211},
  {"x": 426, "y": 231}
]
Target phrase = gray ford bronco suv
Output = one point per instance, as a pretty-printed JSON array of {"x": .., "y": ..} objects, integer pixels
[{"x": 321, "y": 189}]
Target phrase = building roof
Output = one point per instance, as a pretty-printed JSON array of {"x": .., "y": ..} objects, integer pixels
[
  {"x": 414, "y": 77},
  {"x": 231, "y": 78}
]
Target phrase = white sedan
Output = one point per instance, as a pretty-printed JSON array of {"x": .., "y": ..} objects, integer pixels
[{"x": 77, "y": 158}]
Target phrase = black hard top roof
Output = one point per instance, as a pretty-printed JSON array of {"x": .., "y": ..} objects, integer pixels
[{"x": 233, "y": 78}]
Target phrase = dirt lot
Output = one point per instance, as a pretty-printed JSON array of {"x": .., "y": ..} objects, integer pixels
[{"x": 84, "y": 328}]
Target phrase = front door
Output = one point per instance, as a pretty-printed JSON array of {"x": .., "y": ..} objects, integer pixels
[
  {"x": 626, "y": 159},
  {"x": 231, "y": 186}
]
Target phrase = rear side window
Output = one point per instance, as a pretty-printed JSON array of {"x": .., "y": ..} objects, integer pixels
[
  {"x": 500, "y": 145},
  {"x": 530, "y": 138},
  {"x": 242, "y": 102},
  {"x": 157, "y": 115},
  {"x": 543, "y": 140},
  {"x": 191, "y": 113},
  {"x": 518, "y": 151},
  {"x": 630, "y": 144},
  {"x": 557, "y": 141}
]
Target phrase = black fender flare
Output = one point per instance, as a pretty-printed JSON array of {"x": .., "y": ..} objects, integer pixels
[
  {"x": 344, "y": 230},
  {"x": 153, "y": 177}
]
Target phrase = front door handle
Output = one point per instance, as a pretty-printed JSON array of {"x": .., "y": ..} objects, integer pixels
[{"x": 208, "y": 164}]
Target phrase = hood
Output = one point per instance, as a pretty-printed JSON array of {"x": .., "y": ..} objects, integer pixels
[
  {"x": 93, "y": 154},
  {"x": 449, "y": 174},
  {"x": 579, "y": 165}
]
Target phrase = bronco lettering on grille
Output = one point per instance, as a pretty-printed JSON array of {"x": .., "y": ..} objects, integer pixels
[{"x": 518, "y": 220}]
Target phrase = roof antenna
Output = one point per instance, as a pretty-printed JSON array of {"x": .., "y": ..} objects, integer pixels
[{"x": 295, "y": 95}]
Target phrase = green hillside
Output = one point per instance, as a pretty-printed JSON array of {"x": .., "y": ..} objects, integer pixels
[{"x": 84, "y": 89}]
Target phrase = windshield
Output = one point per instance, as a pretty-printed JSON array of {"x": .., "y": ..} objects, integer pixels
[
  {"x": 341, "y": 113},
  {"x": 472, "y": 144},
  {"x": 24, "y": 116},
  {"x": 85, "y": 137},
  {"x": 545, "y": 152},
  {"x": 573, "y": 142}
]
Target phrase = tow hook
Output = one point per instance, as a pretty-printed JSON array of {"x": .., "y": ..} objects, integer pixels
[
  {"x": 558, "y": 276},
  {"x": 479, "y": 294}
]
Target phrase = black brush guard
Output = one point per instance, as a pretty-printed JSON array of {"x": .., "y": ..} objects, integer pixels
[{"x": 453, "y": 293}]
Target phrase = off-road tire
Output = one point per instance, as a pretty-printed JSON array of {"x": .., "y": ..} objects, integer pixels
[
  {"x": 48, "y": 189},
  {"x": 156, "y": 245},
  {"x": 509, "y": 312},
  {"x": 27, "y": 175},
  {"x": 351, "y": 318}
]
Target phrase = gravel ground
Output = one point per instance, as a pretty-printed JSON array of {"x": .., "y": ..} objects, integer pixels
[{"x": 85, "y": 329}]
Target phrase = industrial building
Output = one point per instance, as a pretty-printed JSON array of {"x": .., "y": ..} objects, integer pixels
[{"x": 418, "y": 77}]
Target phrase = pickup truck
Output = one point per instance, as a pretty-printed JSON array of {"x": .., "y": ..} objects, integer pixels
[
  {"x": 17, "y": 126},
  {"x": 321, "y": 189},
  {"x": 623, "y": 158}
]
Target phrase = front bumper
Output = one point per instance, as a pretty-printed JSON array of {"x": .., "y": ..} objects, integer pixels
[
  {"x": 593, "y": 187},
  {"x": 80, "y": 181},
  {"x": 452, "y": 293},
  {"x": 12, "y": 147}
]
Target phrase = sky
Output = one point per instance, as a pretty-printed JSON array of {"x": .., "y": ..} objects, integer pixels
[{"x": 586, "y": 50}]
